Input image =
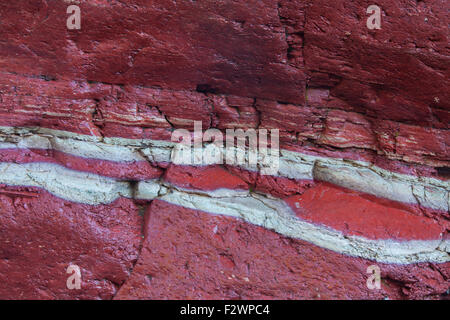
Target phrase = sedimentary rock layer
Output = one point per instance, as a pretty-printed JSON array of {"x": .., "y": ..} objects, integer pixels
[
  {"x": 89, "y": 173},
  {"x": 207, "y": 256}
]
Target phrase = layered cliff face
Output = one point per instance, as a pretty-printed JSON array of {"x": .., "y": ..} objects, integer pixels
[{"x": 87, "y": 175}]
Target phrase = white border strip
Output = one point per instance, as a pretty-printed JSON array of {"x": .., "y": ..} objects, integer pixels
[{"x": 81, "y": 187}]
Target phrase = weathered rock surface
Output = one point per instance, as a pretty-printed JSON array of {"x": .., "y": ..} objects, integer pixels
[
  {"x": 400, "y": 72},
  {"x": 86, "y": 118},
  {"x": 192, "y": 255},
  {"x": 41, "y": 235},
  {"x": 232, "y": 47}
]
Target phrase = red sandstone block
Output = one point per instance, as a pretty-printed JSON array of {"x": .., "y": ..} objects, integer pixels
[
  {"x": 234, "y": 64},
  {"x": 41, "y": 235},
  {"x": 288, "y": 117},
  {"x": 131, "y": 114},
  {"x": 188, "y": 254},
  {"x": 136, "y": 170},
  {"x": 354, "y": 213},
  {"x": 234, "y": 112},
  {"x": 345, "y": 129},
  {"x": 236, "y": 47},
  {"x": 314, "y": 127},
  {"x": 203, "y": 178},
  {"x": 399, "y": 73},
  {"x": 427, "y": 142}
]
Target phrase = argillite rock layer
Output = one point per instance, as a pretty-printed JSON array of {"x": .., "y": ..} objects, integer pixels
[{"x": 87, "y": 170}]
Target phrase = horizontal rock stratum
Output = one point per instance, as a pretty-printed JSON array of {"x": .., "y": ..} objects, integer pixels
[{"x": 88, "y": 175}]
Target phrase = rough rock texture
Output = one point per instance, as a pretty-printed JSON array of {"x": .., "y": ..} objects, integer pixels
[
  {"x": 192, "y": 255},
  {"x": 86, "y": 118},
  {"x": 41, "y": 235},
  {"x": 399, "y": 73}
]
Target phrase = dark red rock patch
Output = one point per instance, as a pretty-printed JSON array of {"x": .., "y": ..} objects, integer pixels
[
  {"x": 189, "y": 254},
  {"x": 41, "y": 235}
]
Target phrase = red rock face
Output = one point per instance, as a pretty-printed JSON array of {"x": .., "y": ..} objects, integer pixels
[
  {"x": 86, "y": 121},
  {"x": 239, "y": 48},
  {"x": 192, "y": 255},
  {"x": 42, "y": 235},
  {"x": 398, "y": 74}
]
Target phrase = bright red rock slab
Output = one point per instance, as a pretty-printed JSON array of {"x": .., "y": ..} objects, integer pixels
[
  {"x": 203, "y": 178},
  {"x": 355, "y": 213},
  {"x": 144, "y": 113},
  {"x": 189, "y": 254},
  {"x": 131, "y": 170},
  {"x": 213, "y": 178},
  {"x": 41, "y": 235}
]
